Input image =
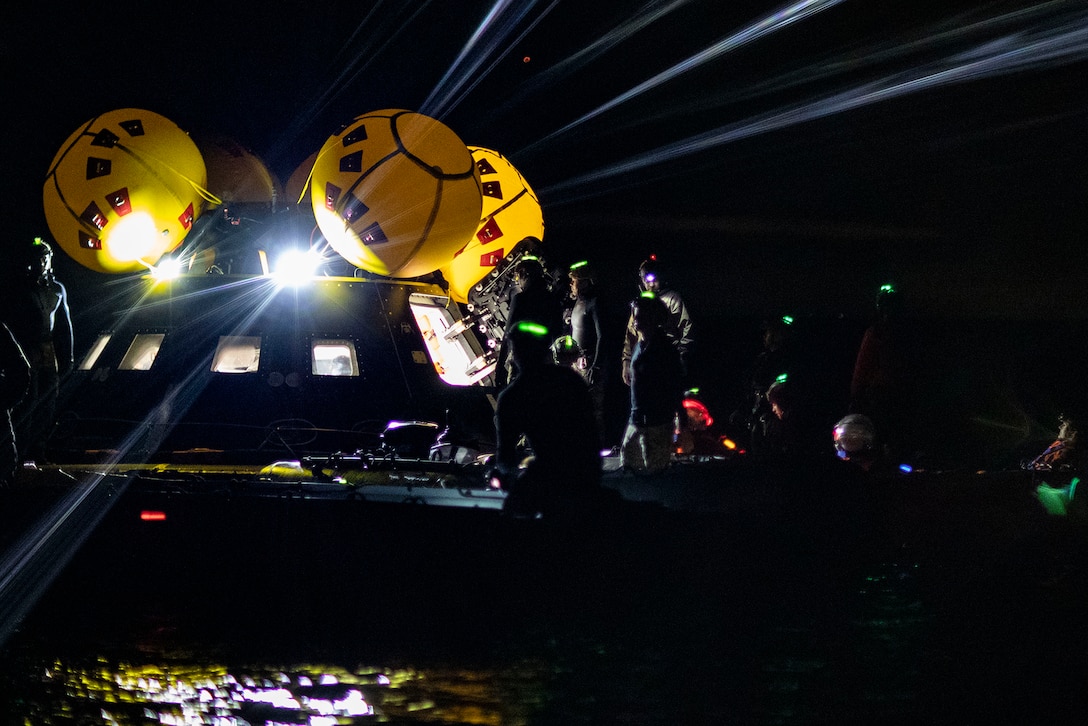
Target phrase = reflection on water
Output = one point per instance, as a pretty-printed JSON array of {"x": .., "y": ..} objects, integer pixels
[
  {"x": 855, "y": 664},
  {"x": 219, "y": 616},
  {"x": 867, "y": 672},
  {"x": 189, "y": 692}
]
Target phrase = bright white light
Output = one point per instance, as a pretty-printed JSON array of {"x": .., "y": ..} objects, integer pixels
[
  {"x": 134, "y": 237},
  {"x": 322, "y": 705},
  {"x": 278, "y": 697},
  {"x": 455, "y": 362},
  {"x": 167, "y": 269},
  {"x": 296, "y": 267},
  {"x": 354, "y": 704}
]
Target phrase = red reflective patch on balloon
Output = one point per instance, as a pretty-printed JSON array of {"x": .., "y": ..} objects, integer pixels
[
  {"x": 187, "y": 217},
  {"x": 489, "y": 232},
  {"x": 120, "y": 202}
]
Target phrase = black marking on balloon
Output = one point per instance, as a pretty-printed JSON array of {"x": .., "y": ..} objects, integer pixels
[
  {"x": 352, "y": 163},
  {"x": 354, "y": 209},
  {"x": 105, "y": 138},
  {"x": 358, "y": 134},
  {"x": 373, "y": 235},
  {"x": 134, "y": 127},
  {"x": 98, "y": 167}
]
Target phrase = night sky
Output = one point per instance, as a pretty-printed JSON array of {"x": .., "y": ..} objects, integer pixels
[{"x": 776, "y": 164}]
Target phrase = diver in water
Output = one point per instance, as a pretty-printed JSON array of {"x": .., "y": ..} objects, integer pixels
[
  {"x": 548, "y": 405},
  {"x": 854, "y": 437},
  {"x": 39, "y": 318}
]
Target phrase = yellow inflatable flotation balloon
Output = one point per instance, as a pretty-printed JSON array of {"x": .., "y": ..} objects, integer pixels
[
  {"x": 396, "y": 193},
  {"x": 124, "y": 190},
  {"x": 511, "y": 212}
]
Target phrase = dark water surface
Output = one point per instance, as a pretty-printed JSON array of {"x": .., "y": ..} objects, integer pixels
[{"x": 247, "y": 612}]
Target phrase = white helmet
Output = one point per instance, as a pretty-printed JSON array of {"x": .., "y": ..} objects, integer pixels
[{"x": 854, "y": 435}]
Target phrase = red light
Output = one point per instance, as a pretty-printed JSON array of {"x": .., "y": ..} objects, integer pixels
[
  {"x": 699, "y": 411},
  {"x": 332, "y": 196},
  {"x": 148, "y": 515}
]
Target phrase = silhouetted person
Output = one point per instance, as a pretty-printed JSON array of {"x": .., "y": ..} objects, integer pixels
[
  {"x": 589, "y": 332},
  {"x": 881, "y": 384},
  {"x": 38, "y": 317},
  {"x": 678, "y": 325},
  {"x": 656, "y": 380},
  {"x": 549, "y": 406},
  {"x": 794, "y": 434},
  {"x": 532, "y": 301},
  {"x": 778, "y": 356},
  {"x": 14, "y": 380}
]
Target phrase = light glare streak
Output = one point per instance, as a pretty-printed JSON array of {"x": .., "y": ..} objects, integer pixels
[
  {"x": 772, "y": 23},
  {"x": 569, "y": 65},
  {"x": 364, "y": 56},
  {"x": 1017, "y": 53},
  {"x": 500, "y": 22},
  {"x": 31, "y": 564},
  {"x": 479, "y": 77},
  {"x": 953, "y": 30}
]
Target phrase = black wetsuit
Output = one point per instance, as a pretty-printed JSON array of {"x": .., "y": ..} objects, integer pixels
[
  {"x": 536, "y": 304},
  {"x": 38, "y": 316},
  {"x": 550, "y": 406}
]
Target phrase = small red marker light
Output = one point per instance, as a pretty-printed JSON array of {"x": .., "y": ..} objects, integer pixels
[{"x": 152, "y": 516}]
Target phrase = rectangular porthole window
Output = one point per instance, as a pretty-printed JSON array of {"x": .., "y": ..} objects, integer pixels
[
  {"x": 333, "y": 357},
  {"x": 96, "y": 350},
  {"x": 142, "y": 352},
  {"x": 237, "y": 354}
]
